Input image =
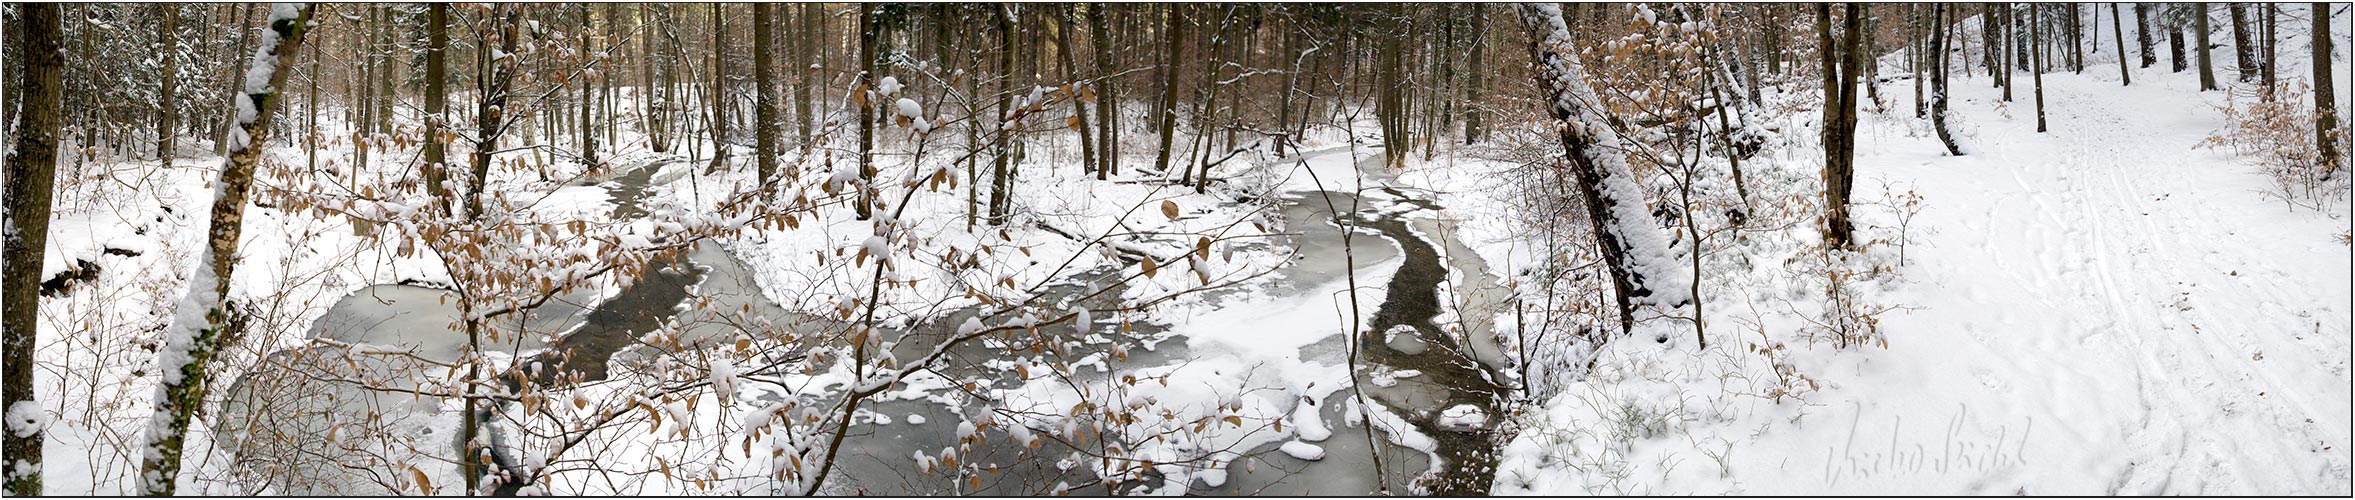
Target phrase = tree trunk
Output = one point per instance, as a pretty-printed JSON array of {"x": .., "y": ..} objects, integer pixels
[
  {"x": 2326, "y": 112},
  {"x": 999, "y": 174},
  {"x": 589, "y": 91},
  {"x": 1174, "y": 58},
  {"x": 1633, "y": 247},
  {"x": 2118, "y": 31},
  {"x": 2272, "y": 13},
  {"x": 437, "y": 102},
  {"x": 1938, "y": 81},
  {"x": 803, "y": 49},
  {"x": 764, "y": 47},
  {"x": 168, "y": 112},
  {"x": 1064, "y": 21},
  {"x": 2200, "y": 34},
  {"x": 717, "y": 94},
  {"x": 229, "y": 81},
  {"x": 2076, "y": 37},
  {"x": 2036, "y": 37},
  {"x": 870, "y": 39},
  {"x": 2175, "y": 59},
  {"x": 2142, "y": 34},
  {"x": 1840, "y": 131},
  {"x": 1478, "y": 75},
  {"x": 2244, "y": 57},
  {"x": 204, "y": 318},
  {"x": 1107, "y": 100},
  {"x": 32, "y": 166}
]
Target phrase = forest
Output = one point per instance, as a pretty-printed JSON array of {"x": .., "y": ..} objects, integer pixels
[{"x": 1450, "y": 249}]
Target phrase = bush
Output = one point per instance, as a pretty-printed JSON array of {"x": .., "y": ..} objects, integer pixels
[{"x": 2279, "y": 134}]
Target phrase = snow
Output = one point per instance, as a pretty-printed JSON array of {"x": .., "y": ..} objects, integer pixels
[
  {"x": 1463, "y": 417},
  {"x": 1307, "y": 423},
  {"x": 24, "y": 418},
  {"x": 2104, "y": 309},
  {"x": 909, "y": 108},
  {"x": 1303, "y": 451},
  {"x": 1654, "y": 266}
]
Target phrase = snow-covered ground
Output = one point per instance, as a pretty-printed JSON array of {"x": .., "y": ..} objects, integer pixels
[{"x": 2105, "y": 308}]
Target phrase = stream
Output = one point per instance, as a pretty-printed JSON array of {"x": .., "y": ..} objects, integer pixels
[{"x": 282, "y": 427}]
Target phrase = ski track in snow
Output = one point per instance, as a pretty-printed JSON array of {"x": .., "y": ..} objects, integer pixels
[{"x": 2159, "y": 325}]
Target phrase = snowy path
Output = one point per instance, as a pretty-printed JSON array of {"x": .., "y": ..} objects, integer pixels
[{"x": 2131, "y": 310}]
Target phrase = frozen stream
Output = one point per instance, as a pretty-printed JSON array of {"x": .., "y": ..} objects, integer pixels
[{"x": 297, "y": 451}]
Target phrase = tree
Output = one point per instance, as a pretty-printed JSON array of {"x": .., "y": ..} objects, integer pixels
[
  {"x": 764, "y": 49},
  {"x": 1107, "y": 99},
  {"x": 2244, "y": 56},
  {"x": 1939, "y": 70},
  {"x": 1633, "y": 248},
  {"x": 1478, "y": 75},
  {"x": 2119, "y": 32},
  {"x": 588, "y": 101},
  {"x": 2142, "y": 34},
  {"x": 2199, "y": 19},
  {"x": 437, "y": 100},
  {"x": 32, "y": 166},
  {"x": 2326, "y": 112},
  {"x": 717, "y": 94},
  {"x": 1173, "y": 58},
  {"x": 2172, "y": 22},
  {"x": 1840, "y": 130},
  {"x": 206, "y": 315},
  {"x": 1065, "y": 18},
  {"x": 2036, "y": 38},
  {"x": 229, "y": 80},
  {"x": 168, "y": 35},
  {"x": 2271, "y": 18}
]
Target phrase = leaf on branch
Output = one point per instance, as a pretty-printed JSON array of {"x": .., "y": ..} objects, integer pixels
[
  {"x": 1169, "y": 208},
  {"x": 424, "y": 485}
]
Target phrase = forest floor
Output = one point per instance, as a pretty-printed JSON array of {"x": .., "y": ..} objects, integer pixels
[{"x": 2106, "y": 308}]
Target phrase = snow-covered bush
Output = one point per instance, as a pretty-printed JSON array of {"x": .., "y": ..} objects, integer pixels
[{"x": 2279, "y": 134}]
